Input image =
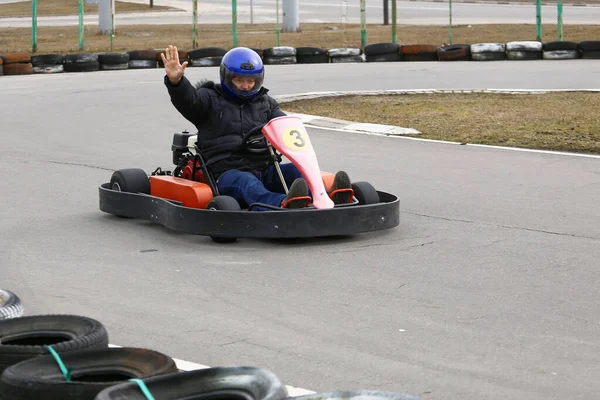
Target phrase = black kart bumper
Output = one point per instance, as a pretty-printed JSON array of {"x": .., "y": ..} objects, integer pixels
[{"x": 297, "y": 223}]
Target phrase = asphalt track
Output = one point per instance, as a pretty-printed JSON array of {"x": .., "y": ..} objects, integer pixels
[{"x": 488, "y": 289}]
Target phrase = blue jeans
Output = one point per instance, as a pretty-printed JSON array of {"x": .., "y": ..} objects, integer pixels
[{"x": 260, "y": 187}]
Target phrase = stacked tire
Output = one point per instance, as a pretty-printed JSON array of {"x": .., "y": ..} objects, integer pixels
[
  {"x": 488, "y": 51},
  {"x": 311, "y": 55},
  {"x": 590, "y": 49},
  {"x": 346, "y": 55},
  {"x": 112, "y": 61},
  {"x": 419, "y": 52},
  {"x": 454, "y": 52},
  {"x": 279, "y": 55},
  {"x": 17, "y": 64},
  {"x": 47, "y": 64},
  {"x": 81, "y": 62},
  {"x": 206, "y": 57},
  {"x": 524, "y": 50},
  {"x": 560, "y": 51},
  {"x": 383, "y": 52},
  {"x": 142, "y": 59}
]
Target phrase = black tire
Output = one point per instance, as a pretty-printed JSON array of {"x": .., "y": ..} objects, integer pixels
[
  {"x": 381, "y": 48},
  {"x": 82, "y": 66},
  {"x": 130, "y": 180},
  {"x": 589, "y": 45},
  {"x": 241, "y": 383},
  {"x": 80, "y": 58},
  {"x": 91, "y": 372},
  {"x": 47, "y": 59},
  {"x": 207, "y": 52},
  {"x": 558, "y": 45},
  {"x": 365, "y": 193},
  {"x": 318, "y": 59},
  {"x": 389, "y": 57},
  {"x": 357, "y": 395},
  {"x": 591, "y": 54},
  {"x": 113, "y": 58},
  {"x": 26, "y": 337},
  {"x": 48, "y": 69},
  {"x": 223, "y": 203},
  {"x": 10, "y": 305},
  {"x": 280, "y": 60},
  {"x": 310, "y": 51}
]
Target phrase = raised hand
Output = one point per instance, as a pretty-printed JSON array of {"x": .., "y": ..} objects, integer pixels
[{"x": 173, "y": 68}]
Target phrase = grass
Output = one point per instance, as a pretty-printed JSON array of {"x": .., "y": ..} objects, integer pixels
[
  {"x": 560, "y": 121},
  {"x": 47, "y": 8},
  {"x": 134, "y": 37}
]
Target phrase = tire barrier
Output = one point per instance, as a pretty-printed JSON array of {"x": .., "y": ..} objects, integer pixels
[
  {"x": 67, "y": 357},
  {"x": 10, "y": 303},
  {"x": 255, "y": 383},
  {"x": 82, "y": 374},
  {"x": 17, "y": 64},
  {"x": 25, "y": 63}
]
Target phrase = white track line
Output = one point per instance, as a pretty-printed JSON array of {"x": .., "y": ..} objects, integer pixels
[{"x": 183, "y": 365}]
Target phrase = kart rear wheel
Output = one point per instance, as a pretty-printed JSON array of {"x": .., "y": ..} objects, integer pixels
[
  {"x": 365, "y": 193},
  {"x": 223, "y": 203},
  {"x": 131, "y": 180}
]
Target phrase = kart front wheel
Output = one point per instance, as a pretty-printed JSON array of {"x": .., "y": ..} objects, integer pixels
[
  {"x": 365, "y": 193},
  {"x": 131, "y": 180},
  {"x": 223, "y": 203}
]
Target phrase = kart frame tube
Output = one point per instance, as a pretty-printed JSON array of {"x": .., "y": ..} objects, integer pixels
[{"x": 284, "y": 223}]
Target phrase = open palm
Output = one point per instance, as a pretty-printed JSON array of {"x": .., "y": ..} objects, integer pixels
[{"x": 173, "y": 67}]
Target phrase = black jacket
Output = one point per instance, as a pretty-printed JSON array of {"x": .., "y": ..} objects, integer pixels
[{"x": 222, "y": 121}]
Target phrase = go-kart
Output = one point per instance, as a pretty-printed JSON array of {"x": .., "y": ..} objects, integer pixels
[{"x": 187, "y": 199}]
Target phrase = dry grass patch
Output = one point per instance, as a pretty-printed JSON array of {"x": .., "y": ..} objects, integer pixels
[
  {"x": 70, "y": 7},
  {"x": 327, "y": 36},
  {"x": 567, "y": 121}
]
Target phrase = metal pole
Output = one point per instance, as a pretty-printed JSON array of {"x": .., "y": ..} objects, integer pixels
[
  {"x": 80, "y": 24},
  {"x": 195, "y": 24},
  {"x": 277, "y": 43},
  {"x": 560, "y": 22},
  {"x": 234, "y": 22},
  {"x": 251, "y": 12},
  {"x": 538, "y": 20},
  {"x": 450, "y": 22},
  {"x": 363, "y": 24},
  {"x": 112, "y": 23},
  {"x": 386, "y": 12},
  {"x": 394, "y": 36},
  {"x": 33, "y": 26}
]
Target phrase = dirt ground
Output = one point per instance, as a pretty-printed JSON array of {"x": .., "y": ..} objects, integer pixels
[
  {"x": 327, "y": 36},
  {"x": 70, "y": 7},
  {"x": 514, "y": 120}
]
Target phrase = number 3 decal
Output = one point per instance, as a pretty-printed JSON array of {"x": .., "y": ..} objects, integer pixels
[
  {"x": 296, "y": 139},
  {"x": 298, "y": 136}
]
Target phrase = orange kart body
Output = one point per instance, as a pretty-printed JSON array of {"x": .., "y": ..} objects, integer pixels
[{"x": 194, "y": 194}]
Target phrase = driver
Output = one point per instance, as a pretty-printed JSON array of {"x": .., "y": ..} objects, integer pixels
[{"x": 223, "y": 113}]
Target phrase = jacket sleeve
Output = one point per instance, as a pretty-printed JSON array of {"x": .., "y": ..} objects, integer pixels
[
  {"x": 192, "y": 103},
  {"x": 275, "y": 110}
]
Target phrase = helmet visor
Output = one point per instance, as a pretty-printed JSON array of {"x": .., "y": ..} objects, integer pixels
[{"x": 244, "y": 84}]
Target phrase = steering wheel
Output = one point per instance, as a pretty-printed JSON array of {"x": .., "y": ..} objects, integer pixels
[{"x": 254, "y": 141}]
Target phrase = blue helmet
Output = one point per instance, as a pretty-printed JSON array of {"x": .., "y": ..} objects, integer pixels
[{"x": 242, "y": 62}]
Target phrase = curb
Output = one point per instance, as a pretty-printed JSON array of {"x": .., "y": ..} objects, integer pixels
[{"x": 388, "y": 130}]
